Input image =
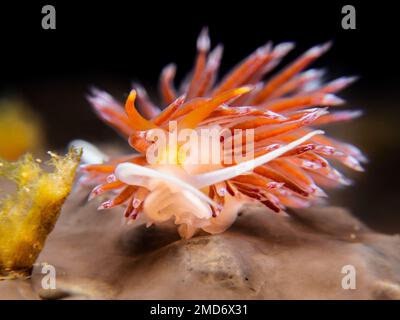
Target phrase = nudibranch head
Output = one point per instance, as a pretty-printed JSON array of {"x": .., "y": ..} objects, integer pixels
[{"x": 219, "y": 145}]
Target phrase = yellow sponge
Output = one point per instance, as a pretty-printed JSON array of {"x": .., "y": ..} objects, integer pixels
[{"x": 29, "y": 215}]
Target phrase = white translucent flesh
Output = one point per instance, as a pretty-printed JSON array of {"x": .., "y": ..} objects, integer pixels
[
  {"x": 91, "y": 154},
  {"x": 133, "y": 174}
]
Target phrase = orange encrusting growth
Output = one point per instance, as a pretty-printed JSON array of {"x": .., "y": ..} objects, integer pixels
[{"x": 281, "y": 109}]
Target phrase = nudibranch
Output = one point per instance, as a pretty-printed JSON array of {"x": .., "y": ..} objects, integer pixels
[{"x": 289, "y": 166}]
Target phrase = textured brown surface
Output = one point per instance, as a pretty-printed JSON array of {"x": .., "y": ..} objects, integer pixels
[{"x": 263, "y": 256}]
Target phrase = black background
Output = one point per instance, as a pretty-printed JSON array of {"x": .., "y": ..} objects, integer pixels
[
  {"x": 111, "y": 43},
  {"x": 136, "y": 38}
]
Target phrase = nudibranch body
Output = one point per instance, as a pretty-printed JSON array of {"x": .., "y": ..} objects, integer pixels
[{"x": 289, "y": 159}]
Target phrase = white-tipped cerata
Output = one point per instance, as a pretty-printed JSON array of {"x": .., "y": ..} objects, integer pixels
[{"x": 209, "y": 178}]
